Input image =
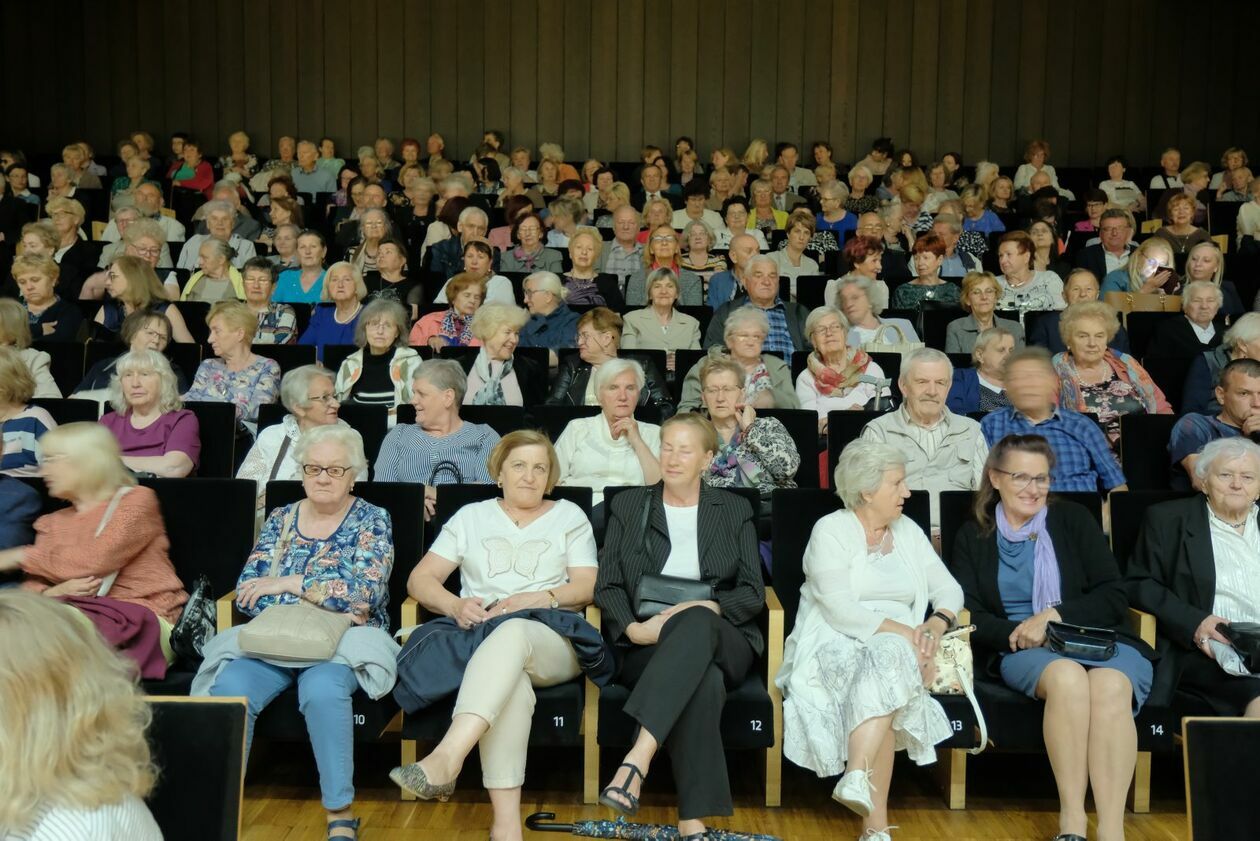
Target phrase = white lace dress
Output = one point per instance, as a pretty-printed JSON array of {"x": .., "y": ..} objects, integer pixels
[{"x": 838, "y": 671}]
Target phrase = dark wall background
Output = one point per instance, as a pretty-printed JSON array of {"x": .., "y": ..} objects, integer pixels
[{"x": 601, "y": 77}]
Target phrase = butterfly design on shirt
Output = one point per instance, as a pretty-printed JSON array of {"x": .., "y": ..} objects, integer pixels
[{"x": 505, "y": 556}]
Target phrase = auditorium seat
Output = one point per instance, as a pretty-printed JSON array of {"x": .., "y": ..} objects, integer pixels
[
  {"x": 802, "y": 425},
  {"x": 66, "y": 410},
  {"x": 65, "y": 363},
  {"x": 218, "y": 430},
  {"x": 287, "y": 356},
  {"x": 1144, "y": 455},
  {"x": 843, "y": 427}
]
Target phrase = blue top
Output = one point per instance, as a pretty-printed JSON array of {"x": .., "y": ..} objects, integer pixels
[
  {"x": 1189, "y": 436},
  {"x": 557, "y": 330},
  {"x": 722, "y": 289},
  {"x": 325, "y": 329},
  {"x": 1082, "y": 456},
  {"x": 1016, "y": 564},
  {"x": 289, "y": 289},
  {"x": 409, "y": 454},
  {"x": 1116, "y": 281},
  {"x": 988, "y": 223},
  {"x": 317, "y": 181},
  {"x": 839, "y": 227},
  {"x": 19, "y": 506}
]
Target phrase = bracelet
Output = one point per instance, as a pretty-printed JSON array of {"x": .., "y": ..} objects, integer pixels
[{"x": 949, "y": 623}]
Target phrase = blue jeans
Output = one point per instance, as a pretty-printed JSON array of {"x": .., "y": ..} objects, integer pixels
[{"x": 323, "y": 697}]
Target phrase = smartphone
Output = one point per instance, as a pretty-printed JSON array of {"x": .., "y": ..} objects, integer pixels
[
  {"x": 1150, "y": 267},
  {"x": 491, "y": 605}
]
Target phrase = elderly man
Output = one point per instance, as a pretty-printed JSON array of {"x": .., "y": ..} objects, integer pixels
[
  {"x": 651, "y": 186},
  {"x": 724, "y": 285},
  {"x": 308, "y": 176},
  {"x": 957, "y": 263},
  {"x": 944, "y": 451},
  {"x": 142, "y": 238},
  {"x": 735, "y": 222},
  {"x": 695, "y": 196},
  {"x": 788, "y": 156},
  {"x": 435, "y": 146},
  {"x": 1111, "y": 252},
  {"x": 384, "y": 148},
  {"x": 551, "y": 323},
  {"x": 148, "y": 200},
  {"x": 281, "y": 165},
  {"x": 1239, "y": 397},
  {"x": 246, "y": 227},
  {"x": 780, "y": 195},
  {"x": 1081, "y": 285},
  {"x": 624, "y": 255},
  {"x": 1083, "y": 460},
  {"x": 448, "y": 255},
  {"x": 220, "y": 220},
  {"x": 761, "y": 290}
]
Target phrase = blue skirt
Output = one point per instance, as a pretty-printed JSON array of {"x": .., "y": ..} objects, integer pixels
[{"x": 1021, "y": 670}]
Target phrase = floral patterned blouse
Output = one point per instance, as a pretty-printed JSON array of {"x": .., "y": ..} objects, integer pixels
[
  {"x": 248, "y": 388},
  {"x": 762, "y": 456},
  {"x": 277, "y": 325},
  {"x": 1111, "y": 399}
]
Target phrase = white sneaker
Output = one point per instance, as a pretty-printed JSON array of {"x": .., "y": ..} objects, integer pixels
[
  {"x": 877, "y": 834},
  {"x": 854, "y": 791}
]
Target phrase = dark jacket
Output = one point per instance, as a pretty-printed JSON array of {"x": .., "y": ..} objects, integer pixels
[
  {"x": 21, "y": 505},
  {"x": 557, "y": 330},
  {"x": 1091, "y": 588},
  {"x": 532, "y": 381},
  {"x": 1172, "y": 574},
  {"x": 796, "y": 315},
  {"x": 727, "y": 544},
  {"x": 964, "y": 392},
  {"x": 574, "y": 373},
  {"x": 76, "y": 265},
  {"x": 1176, "y": 338},
  {"x": 1044, "y": 332},
  {"x": 1199, "y": 393},
  {"x": 68, "y": 321},
  {"x": 431, "y": 665},
  {"x": 1094, "y": 258}
]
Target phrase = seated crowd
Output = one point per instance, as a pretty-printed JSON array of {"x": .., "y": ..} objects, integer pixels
[{"x": 993, "y": 335}]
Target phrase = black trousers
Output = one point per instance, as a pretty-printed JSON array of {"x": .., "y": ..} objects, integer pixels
[
  {"x": 1227, "y": 694},
  {"x": 679, "y": 688}
]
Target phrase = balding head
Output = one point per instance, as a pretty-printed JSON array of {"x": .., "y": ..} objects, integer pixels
[{"x": 742, "y": 247}]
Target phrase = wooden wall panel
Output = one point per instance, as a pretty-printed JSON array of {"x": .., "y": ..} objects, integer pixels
[{"x": 983, "y": 77}]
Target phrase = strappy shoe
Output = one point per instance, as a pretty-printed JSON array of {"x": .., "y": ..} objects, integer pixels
[
  {"x": 628, "y": 810},
  {"x": 413, "y": 779},
  {"x": 352, "y": 825}
]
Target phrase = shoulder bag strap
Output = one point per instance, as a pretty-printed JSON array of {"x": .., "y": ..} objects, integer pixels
[
  {"x": 284, "y": 450},
  {"x": 111, "y": 508},
  {"x": 282, "y": 543}
]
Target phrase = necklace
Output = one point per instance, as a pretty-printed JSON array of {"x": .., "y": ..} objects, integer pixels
[{"x": 508, "y": 509}]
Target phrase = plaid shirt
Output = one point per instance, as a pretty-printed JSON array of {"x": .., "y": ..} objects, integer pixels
[
  {"x": 620, "y": 262},
  {"x": 780, "y": 338},
  {"x": 1081, "y": 454}
]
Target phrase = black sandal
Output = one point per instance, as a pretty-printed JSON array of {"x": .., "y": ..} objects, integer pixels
[{"x": 628, "y": 810}]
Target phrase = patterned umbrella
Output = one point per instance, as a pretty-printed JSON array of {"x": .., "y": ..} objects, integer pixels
[{"x": 621, "y": 828}]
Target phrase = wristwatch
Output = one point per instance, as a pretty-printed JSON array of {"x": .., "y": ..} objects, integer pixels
[{"x": 555, "y": 603}]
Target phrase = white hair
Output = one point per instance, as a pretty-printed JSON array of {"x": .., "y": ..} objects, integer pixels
[
  {"x": 296, "y": 385},
  {"x": 1225, "y": 450},
  {"x": 548, "y": 282},
  {"x": 470, "y": 212},
  {"x": 924, "y": 356},
  {"x": 861, "y": 467},
  {"x": 347, "y": 437},
  {"x": 613, "y": 368}
]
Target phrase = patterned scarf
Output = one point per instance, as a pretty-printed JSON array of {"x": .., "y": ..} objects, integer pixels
[
  {"x": 827, "y": 380},
  {"x": 727, "y": 464},
  {"x": 527, "y": 260},
  {"x": 457, "y": 328},
  {"x": 491, "y": 391},
  {"x": 1046, "y": 585}
]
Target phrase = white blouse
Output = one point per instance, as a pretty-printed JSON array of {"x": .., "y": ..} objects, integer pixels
[
  {"x": 1237, "y": 558},
  {"x": 590, "y": 457}
]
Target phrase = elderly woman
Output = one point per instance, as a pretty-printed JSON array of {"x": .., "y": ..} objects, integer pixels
[
  {"x": 764, "y": 216},
  {"x": 497, "y": 377},
  {"x": 767, "y": 377},
  {"x": 333, "y": 551},
  {"x": 216, "y": 278},
  {"x": 585, "y": 284},
  {"x": 61, "y": 182},
  {"x": 598, "y": 341},
  {"x": 529, "y": 254},
  {"x": 51, "y": 318},
  {"x": 379, "y": 372},
  {"x": 277, "y": 323},
  {"x": 142, "y": 330},
  {"x": 1028, "y": 560},
  {"x": 336, "y": 321},
  {"x": 656, "y": 212},
  {"x": 374, "y": 226},
  {"x": 980, "y": 294},
  {"x": 659, "y": 325},
  {"x": 123, "y": 189},
  {"x": 928, "y": 254},
  {"x": 132, "y": 285},
  {"x": 1036, "y": 154},
  {"x": 834, "y": 216},
  {"x": 156, "y": 434},
  {"x": 523, "y": 649},
  {"x": 860, "y": 656},
  {"x": 1206, "y": 263},
  {"x": 976, "y": 214},
  {"x": 478, "y": 258},
  {"x": 833, "y": 379},
  {"x": 284, "y": 254},
  {"x": 282, "y": 212},
  {"x": 15, "y": 333},
  {"x": 981, "y": 388},
  {"x": 67, "y": 682},
  {"x": 74, "y": 255},
  {"x": 551, "y": 323},
  {"x": 865, "y": 256},
  {"x": 1023, "y": 287},
  {"x": 680, "y": 662},
  {"x": 564, "y": 214},
  {"x": 439, "y": 448},
  {"x": 1197, "y": 332},
  {"x": 239, "y": 159},
  {"x": 110, "y": 540},
  {"x": 1241, "y": 340},
  {"x": 235, "y": 374},
  {"x": 1095, "y": 378},
  {"x": 21, "y": 424},
  {"x": 452, "y": 327},
  {"x": 220, "y": 218},
  {"x": 305, "y": 283},
  {"x": 860, "y": 201},
  {"x": 1181, "y": 232},
  {"x": 191, "y": 171},
  {"x": 791, "y": 259},
  {"x": 861, "y": 300},
  {"x": 1191, "y": 569},
  {"x": 700, "y": 259},
  {"x": 661, "y": 252}
]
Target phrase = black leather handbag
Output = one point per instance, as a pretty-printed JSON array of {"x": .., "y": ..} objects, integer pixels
[
  {"x": 1245, "y": 638},
  {"x": 655, "y": 592},
  {"x": 1081, "y": 641}
]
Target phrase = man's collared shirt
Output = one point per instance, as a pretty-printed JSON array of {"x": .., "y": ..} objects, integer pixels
[{"x": 1081, "y": 452}]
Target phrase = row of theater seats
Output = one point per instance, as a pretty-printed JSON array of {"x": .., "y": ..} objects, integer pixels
[{"x": 211, "y": 526}]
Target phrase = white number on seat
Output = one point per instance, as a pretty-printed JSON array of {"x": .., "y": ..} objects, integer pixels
[
  {"x": 956, "y": 724},
  {"x": 360, "y": 719},
  {"x": 557, "y": 720},
  {"x": 1157, "y": 729},
  {"x": 756, "y": 725}
]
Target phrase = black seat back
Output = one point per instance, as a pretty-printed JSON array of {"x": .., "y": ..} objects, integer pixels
[
  {"x": 66, "y": 410},
  {"x": 1128, "y": 510},
  {"x": 210, "y": 523},
  {"x": 1144, "y": 450},
  {"x": 288, "y": 357},
  {"x": 802, "y": 425},
  {"x": 218, "y": 427},
  {"x": 198, "y": 747}
]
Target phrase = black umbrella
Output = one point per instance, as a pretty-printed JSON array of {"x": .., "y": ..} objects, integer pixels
[{"x": 621, "y": 828}]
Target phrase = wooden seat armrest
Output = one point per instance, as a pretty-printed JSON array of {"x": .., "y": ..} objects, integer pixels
[
  {"x": 225, "y": 612},
  {"x": 409, "y": 616},
  {"x": 595, "y": 616},
  {"x": 1142, "y": 625}
]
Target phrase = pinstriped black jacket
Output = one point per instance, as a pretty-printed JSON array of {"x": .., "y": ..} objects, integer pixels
[{"x": 729, "y": 559}]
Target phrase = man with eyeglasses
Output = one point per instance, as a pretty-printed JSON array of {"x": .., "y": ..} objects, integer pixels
[
  {"x": 1083, "y": 460},
  {"x": 551, "y": 323},
  {"x": 761, "y": 290},
  {"x": 944, "y": 451},
  {"x": 1239, "y": 397},
  {"x": 148, "y": 200},
  {"x": 1114, "y": 245},
  {"x": 624, "y": 255}
]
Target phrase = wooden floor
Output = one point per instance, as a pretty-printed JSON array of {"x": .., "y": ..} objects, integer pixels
[{"x": 1010, "y": 797}]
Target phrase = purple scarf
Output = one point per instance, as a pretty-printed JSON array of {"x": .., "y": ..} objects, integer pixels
[{"x": 1045, "y": 564}]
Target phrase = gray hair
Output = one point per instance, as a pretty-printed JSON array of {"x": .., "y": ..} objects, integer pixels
[
  {"x": 377, "y": 309},
  {"x": 834, "y": 190},
  {"x": 949, "y": 219},
  {"x": 218, "y": 206},
  {"x": 699, "y": 223},
  {"x": 515, "y": 172},
  {"x": 347, "y": 437},
  {"x": 987, "y": 337},
  {"x": 296, "y": 385},
  {"x": 547, "y": 282},
  {"x": 877, "y": 294},
  {"x": 613, "y": 368},
  {"x": 664, "y": 274},
  {"x": 759, "y": 258},
  {"x": 488, "y": 318},
  {"x": 819, "y": 313},
  {"x": 224, "y": 249},
  {"x": 453, "y": 183},
  {"x": 129, "y": 210},
  {"x": 746, "y": 316},
  {"x": 444, "y": 375},
  {"x": 924, "y": 356},
  {"x": 1245, "y": 329},
  {"x": 861, "y": 467},
  {"x": 225, "y": 186},
  {"x": 1201, "y": 285},
  {"x": 470, "y": 212},
  {"x": 1225, "y": 449},
  {"x": 861, "y": 168},
  {"x": 145, "y": 361}
]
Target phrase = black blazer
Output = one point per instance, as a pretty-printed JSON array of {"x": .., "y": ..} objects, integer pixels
[
  {"x": 1176, "y": 338},
  {"x": 1093, "y": 257},
  {"x": 729, "y": 558},
  {"x": 1172, "y": 573},
  {"x": 532, "y": 381},
  {"x": 574, "y": 373},
  {"x": 1091, "y": 588},
  {"x": 76, "y": 265}
]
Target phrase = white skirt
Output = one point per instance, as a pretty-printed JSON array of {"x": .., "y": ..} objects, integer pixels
[{"x": 846, "y": 682}]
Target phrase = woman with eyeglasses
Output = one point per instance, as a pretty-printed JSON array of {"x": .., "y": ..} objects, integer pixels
[
  {"x": 1025, "y": 561},
  {"x": 598, "y": 342},
  {"x": 838, "y": 376}
]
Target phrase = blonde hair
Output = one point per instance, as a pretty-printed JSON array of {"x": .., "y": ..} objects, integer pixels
[
  {"x": 971, "y": 281},
  {"x": 15, "y": 325},
  {"x": 360, "y": 288},
  {"x": 597, "y": 241},
  {"x": 236, "y": 315},
  {"x": 143, "y": 286},
  {"x": 145, "y": 361},
  {"x": 1089, "y": 309},
  {"x": 524, "y": 438},
  {"x": 70, "y": 206},
  {"x": 96, "y": 455},
  {"x": 487, "y": 320},
  {"x": 1140, "y": 255},
  {"x": 25, "y": 264},
  {"x": 75, "y": 720},
  {"x": 698, "y": 422},
  {"x": 17, "y": 385}
]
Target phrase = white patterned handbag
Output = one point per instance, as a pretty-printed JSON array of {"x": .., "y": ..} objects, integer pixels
[{"x": 956, "y": 675}]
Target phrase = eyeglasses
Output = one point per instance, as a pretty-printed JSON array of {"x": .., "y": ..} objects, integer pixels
[
  {"x": 146, "y": 252},
  {"x": 322, "y": 398},
  {"x": 828, "y": 329},
  {"x": 1023, "y": 480},
  {"x": 663, "y": 239},
  {"x": 334, "y": 471},
  {"x": 714, "y": 391},
  {"x": 748, "y": 337}
]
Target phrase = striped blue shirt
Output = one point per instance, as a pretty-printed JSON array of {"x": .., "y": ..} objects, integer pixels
[
  {"x": 1082, "y": 456},
  {"x": 409, "y": 454}
]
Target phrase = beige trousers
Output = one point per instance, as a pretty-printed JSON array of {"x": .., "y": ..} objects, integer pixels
[{"x": 499, "y": 686}]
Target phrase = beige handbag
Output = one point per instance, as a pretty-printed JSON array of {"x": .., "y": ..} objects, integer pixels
[
  {"x": 1127, "y": 302},
  {"x": 292, "y": 632},
  {"x": 880, "y": 345},
  {"x": 956, "y": 675}
]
